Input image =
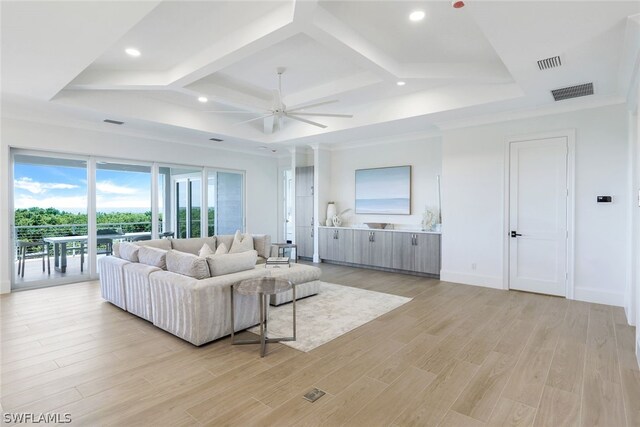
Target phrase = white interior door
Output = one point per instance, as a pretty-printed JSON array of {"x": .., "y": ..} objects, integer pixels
[{"x": 538, "y": 216}]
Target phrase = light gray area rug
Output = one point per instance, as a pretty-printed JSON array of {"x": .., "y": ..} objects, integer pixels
[{"x": 335, "y": 311}]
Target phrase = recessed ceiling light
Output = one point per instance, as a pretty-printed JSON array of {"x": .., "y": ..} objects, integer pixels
[
  {"x": 131, "y": 51},
  {"x": 202, "y": 99},
  {"x": 417, "y": 15},
  {"x": 401, "y": 83}
]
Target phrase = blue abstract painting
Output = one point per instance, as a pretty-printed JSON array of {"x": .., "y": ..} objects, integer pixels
[{"x": 384, "y": 191}]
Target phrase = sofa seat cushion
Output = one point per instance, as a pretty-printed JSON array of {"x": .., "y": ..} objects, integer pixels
[
  {"x": 153, "y": 257},
  {"x": 231, "y": 263},
  {"x": 187, "y": 264},
  {"x": 297, "y": 273}
]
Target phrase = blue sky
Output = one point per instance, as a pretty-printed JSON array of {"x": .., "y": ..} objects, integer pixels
[{"x": 65, "y": 188}]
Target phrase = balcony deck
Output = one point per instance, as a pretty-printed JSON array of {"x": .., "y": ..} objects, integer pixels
[{"x": 33, "y": 270}]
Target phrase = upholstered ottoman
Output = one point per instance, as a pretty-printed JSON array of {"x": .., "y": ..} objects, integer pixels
[{"x": 305, "y": 277}]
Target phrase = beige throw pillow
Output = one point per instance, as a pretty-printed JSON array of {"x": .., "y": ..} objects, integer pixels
[
  {"x": 231, "y": 263},
  {"x": 241, "y": 243},
  {"x": 153, "y": 256},
  {"x": 205, "y": 251},
  {"x": 222, "y": 249},
  {"x": 187, "y": 264},
  {"x": 129, "y": 251}
]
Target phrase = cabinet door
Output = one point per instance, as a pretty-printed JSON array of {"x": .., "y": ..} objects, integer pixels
[
  {"x": 325, "y": 239},
  {"x": 381, "y": 249},
  {"x": 343, "y": 245},
  {"x": 304, "y": 211},
  {"x": 427, "y": 259},
  {"x": 304, "y": 181},
  {"x": 304, "y": 241},
  {"x": 404, "y": 252},
  {"x": 361, "y": 247}
]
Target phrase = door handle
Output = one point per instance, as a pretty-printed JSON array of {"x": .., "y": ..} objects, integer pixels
[{"x": 515, "y": 234}]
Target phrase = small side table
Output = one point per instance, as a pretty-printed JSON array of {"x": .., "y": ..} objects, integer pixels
[
  {"x": 283, "y": 246},
  {"x": 263, "y": 287}
]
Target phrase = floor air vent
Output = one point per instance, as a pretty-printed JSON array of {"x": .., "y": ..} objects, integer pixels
[
  {"x": 545, "y": 64},
  {"x": 572, "y": 91}
]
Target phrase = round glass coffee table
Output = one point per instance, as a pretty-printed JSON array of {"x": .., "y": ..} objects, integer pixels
[{"x": 263, "y": 287}]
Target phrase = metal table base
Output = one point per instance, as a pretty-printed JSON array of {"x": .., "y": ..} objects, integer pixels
[{"x": 263, "y": 304}]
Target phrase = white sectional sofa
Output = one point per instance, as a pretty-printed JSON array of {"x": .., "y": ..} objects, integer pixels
[{"x": 194, "y": 309}]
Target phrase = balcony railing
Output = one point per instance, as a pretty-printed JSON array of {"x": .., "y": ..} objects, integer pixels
[{"x": 35, "y": 233}]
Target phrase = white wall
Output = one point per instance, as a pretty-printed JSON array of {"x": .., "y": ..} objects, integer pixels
[
  {"x": 425, "y": 157},
  {"x": 473, "y": 200},
  {"x": 261, "y": 171}
]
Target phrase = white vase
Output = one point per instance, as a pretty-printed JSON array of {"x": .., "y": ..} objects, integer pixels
[{"x": 331, "y": 212}]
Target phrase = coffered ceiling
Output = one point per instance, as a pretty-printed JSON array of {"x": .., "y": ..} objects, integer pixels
[{"x": 456, "y": 63}]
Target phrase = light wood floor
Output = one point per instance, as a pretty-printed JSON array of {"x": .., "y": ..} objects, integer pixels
[{"x": 454, "y": 356}]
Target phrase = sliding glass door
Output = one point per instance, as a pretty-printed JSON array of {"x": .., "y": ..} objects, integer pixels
[
  {"x": 70, "y": 210},
  {"x": 50, "y": 219}
]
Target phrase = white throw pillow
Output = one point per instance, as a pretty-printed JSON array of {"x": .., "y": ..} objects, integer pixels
[
  {"x": 222, "y": 249},
  {"x": 231, "y": 263},
  {"x": 129, "y": 251},
  {"x": 205, "y": 251},
  {"x": 241, "y": 243}
]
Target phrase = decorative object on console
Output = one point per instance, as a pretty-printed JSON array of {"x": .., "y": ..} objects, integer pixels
[
  {"x": 384, "y": 191},
  {"x": 337, "y": 219},
  {"x": 331, "y": 212},
  {"x": 430, "y": 219},
  {"x": 376, "y": 225}
]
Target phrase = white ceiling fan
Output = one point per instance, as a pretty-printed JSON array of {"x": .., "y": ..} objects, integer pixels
[{"x": 280, "y": 111}]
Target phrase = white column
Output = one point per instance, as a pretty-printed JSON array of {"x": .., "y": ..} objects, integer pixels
[
  {"x": 6, "y": 219},
  {"x": 321, "y": 194}
]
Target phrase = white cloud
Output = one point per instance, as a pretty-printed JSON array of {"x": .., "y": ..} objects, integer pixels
[
  {"x": 36, "y": 187},
  {"x": 109, "y": 187},
  {"x": 71, "y": 203}
]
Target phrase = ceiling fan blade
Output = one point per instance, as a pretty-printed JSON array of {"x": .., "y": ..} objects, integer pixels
[
  {"x": 348, "y": 116},
  {"x": 300, "y": 119},
  {"x": 254, "y": 119},
  {"x": 237, "y": 112},
  {"x": 317, "y": 104}
]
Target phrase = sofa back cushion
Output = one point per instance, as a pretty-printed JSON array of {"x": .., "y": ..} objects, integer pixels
[
  {"x": 153, "y": 256},
  {"x": 220, "y": 265},
  {"x": 164, "y": 244},
  {"x": 128, "y": 251},
  {"x": 187, "y": 264},
  {"x": 192, "y": 246}
]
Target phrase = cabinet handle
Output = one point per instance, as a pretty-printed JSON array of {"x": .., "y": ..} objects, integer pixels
[
  {"x": 337, "y": 234},
  {"x": 373, "y": 236},
  {"x": 312, "y": 221}
]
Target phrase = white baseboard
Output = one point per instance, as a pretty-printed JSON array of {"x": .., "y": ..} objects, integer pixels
[
  {"x": 599, "y": 296},
  {"x": 471, "y": 279},
  {"x": 5, "y": 286},
  {"x": 630, "y": 315}
]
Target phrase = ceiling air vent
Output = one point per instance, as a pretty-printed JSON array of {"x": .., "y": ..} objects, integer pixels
[
  {"x": 572, "y": 91},
  {"x": 113, "y": 122},
  {"x": 215, "y": 139},
  {"x": 545, "y": 64}
]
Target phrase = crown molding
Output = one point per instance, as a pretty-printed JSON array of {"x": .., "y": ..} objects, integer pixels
[{"x": 406, "y": 137}]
